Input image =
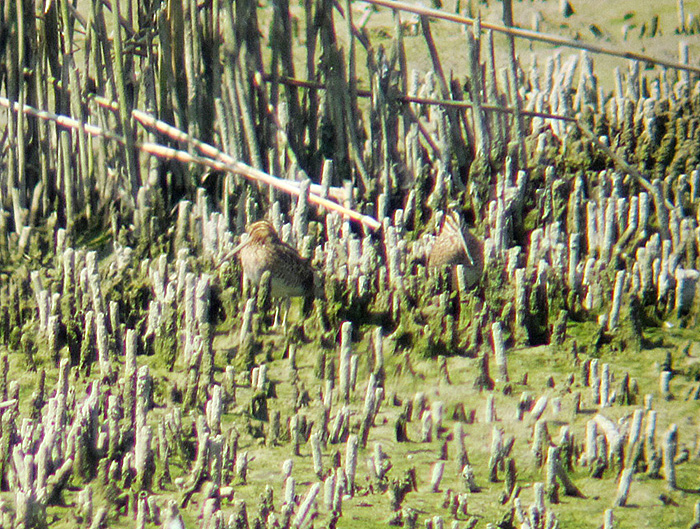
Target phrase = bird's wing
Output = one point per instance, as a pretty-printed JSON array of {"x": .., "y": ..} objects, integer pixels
[{"x": 453, "y": 225}]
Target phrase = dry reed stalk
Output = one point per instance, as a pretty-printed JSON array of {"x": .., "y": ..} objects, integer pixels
[
  {"x": 457, "y": 141},
  {"x": 173, "y": 154},
  {"x": 514, "y": 93},
  {"x": 532, "y": 35},
  {"x": 415, "y": 99},
  {"x": 476, "y": 87}
]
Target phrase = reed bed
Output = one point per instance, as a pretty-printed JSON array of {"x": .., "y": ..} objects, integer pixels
[{"x": 141, "y": 385}]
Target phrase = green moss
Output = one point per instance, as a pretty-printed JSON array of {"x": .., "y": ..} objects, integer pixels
[{"x": 165, "y": 342}]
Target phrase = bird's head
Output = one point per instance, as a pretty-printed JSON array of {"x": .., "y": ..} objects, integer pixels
[{"x": 261, "y": 232}]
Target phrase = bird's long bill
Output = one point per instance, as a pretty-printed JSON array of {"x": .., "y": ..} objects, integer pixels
[
  {"x": 237, "y": 249},
  {"x": 466, "y": 248}
]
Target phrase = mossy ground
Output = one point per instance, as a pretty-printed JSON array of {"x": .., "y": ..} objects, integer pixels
[{"x": 371, "y": 509}]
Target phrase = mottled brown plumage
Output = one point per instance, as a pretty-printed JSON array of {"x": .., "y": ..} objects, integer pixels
[
  {"x": 456, "y": 245},
  {"x": 290, "y": 274}
]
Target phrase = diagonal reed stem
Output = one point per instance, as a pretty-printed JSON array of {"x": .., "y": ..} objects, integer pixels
[
  {"x": 534, "y": 35},
  {"x": 219, "y": 161}
]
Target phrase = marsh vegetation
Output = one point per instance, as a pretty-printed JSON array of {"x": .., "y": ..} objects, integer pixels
[{"x": 142, "y": 382}]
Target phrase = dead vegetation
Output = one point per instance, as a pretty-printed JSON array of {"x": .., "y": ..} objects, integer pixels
[{"x": 140, "y": 384}]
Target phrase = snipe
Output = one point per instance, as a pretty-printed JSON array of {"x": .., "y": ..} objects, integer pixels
[
  {"x": 290, "y": 274},
  {"x": 456, "y": 245}
]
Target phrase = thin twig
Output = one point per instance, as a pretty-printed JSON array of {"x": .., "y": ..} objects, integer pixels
[
  {"x": 427, "y": 101},
  {"x": 533, "y": 35},
  {"x": 621, "y": 164}
]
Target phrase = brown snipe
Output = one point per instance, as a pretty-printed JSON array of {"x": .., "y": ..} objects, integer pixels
[
  {"x": 290, "y": 274},
  {"x": 456, "y": 245}
]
